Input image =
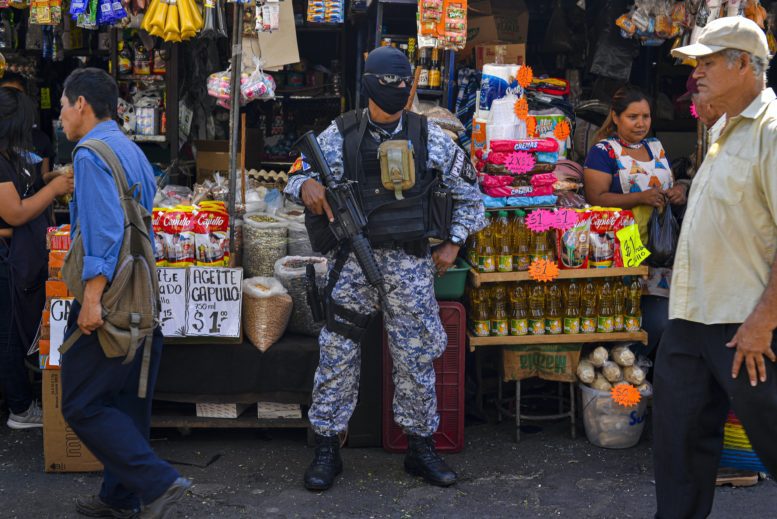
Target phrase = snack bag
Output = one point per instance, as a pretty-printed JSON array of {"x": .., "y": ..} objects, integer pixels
[
  {"x": 178, "y": 225},
  {"x": 211, "y": 237},
  {"x": 601, "y": 252},
  {"x": 624, "y": 219},
  {"x": 160, "y": 252},
  {"x": 573, "y": 244}
]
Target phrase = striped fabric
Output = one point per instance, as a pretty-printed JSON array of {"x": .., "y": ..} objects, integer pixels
[
  {"x": 468, "y": 82},
  {"x": 737, "y": 451}
]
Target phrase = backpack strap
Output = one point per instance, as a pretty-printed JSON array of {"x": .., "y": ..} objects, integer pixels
[
  {"x": 417, "y": 132},
  {"x": 351, "y": 126}
]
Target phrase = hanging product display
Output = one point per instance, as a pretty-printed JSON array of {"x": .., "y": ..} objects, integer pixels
[
  {"x": 445, "y": 21},
  {"x": 268, "y": 16},
  {"x": 214, "y": 26},
  {"x": 329, "y": 11},
  {"x": 254, "y": 86},
  {"x": 173, "y": 20}
]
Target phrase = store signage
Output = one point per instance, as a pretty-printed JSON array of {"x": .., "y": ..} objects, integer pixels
[
  {"x": 172, "y": 298},
  {"x": 60, "y": 311},
  {"x": 632, "y": 249},
  {"x": 214, "y": 299}
]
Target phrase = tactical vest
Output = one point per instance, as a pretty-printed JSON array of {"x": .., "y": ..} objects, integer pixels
[{"x": 392, "y": 223}]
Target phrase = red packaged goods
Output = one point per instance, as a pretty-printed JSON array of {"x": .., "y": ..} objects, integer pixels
[
  {"x": 58, "y": 238},
  {"x": 604, "y": 247},
  {"x": 211, "y": 237},
  {"x": 160, "y": 252},
  {"x": 178, "y": 228},
  {"x": 529, "y": 145},
  {"x": 573, "y": 244}
]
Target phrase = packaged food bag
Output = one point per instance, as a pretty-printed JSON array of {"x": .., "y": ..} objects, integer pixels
[{"x": 266, "y": 311}]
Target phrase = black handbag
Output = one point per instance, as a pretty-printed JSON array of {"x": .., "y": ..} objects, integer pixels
[{"x": 663, "y": 232}]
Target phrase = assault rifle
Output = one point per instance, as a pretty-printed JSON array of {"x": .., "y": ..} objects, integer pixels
[{"x": 349, "y": 219}]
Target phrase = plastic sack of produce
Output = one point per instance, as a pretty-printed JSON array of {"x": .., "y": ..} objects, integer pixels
[
  {"x": 609, "y": 424},
  {"x": 299, "y": 241},
  {"x": 264, "y": 243},
  {"x": 266, "y": 311},
  {"x": 290, "y": 271}
]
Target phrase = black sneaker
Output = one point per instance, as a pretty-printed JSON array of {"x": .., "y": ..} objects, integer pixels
[
  {"x": 164, "y": 506},
  {"x": 93, "y": 506}
]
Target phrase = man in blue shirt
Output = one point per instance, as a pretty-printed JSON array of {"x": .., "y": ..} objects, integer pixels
[{"x": 99, "y": 394}]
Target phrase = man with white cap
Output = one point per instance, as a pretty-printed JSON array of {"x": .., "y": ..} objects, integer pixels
[{"x": 718, "y": 351}]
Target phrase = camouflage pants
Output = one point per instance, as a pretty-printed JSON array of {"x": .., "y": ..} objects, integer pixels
[{"x": 415, "y": 337}]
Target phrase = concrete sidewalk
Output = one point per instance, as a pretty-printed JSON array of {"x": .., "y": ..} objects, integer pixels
[{"x": 259, "y": 474}]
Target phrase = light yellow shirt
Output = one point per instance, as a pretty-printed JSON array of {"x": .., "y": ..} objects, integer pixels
[{"x": 729, "y": 234}]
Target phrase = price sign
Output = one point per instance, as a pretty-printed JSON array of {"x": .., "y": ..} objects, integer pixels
[
  {"x": 59, "y": 311},
  {"x": 540, "y": 220},
  {"x": 543, "y": 270},
  {"x": 214, "y": 300},
  {"x": 565, "y": 219},
  {"x": 632, "y": 250},
  {"x": 172, "y": 296}
]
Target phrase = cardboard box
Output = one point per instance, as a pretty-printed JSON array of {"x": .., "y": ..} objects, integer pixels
[
  {"x": 276, "y": 411},
  {"x": 502, "y": 21},
  {"x": 213, "y": 156},
  {"x": 511, "y": 53},
  {"x": 62, "y": 449},
  {"x": 209, "y": 410}
]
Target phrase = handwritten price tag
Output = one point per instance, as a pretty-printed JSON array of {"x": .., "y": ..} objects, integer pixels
[
  {"x": 540, "y": 220},
  {"x": 634, "y": 253},
  {"x": 543, "y": 270}
]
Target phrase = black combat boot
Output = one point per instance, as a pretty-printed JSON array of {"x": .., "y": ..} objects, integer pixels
[
  {"x": 422, "y": 460},
  {"x": 326, "y": 465}
]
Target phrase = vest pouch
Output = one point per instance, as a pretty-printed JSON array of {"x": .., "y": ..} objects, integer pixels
[
  {"x": 397, "y": 166},
  {"x": 322, "y": 240},
  {"x": 440, "y": 212},
  {"x": 400, "y": 220}
]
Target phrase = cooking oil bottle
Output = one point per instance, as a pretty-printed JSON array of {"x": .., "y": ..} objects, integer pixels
[
  {"x": 588, "y": 302},
  {"x": 554, "y": 310},
  {"x": 519, "y": 314},
  {"x": 486, "y": 256},
  {"x": 521, "y": 242},
  {"x": 539, "y": 246},
  {"x": 503, "y": 242},
  {"x": 537, "y": 310},
  {"x": 620, "y": 306},
  {"x": 634, "y": 315},
  {"x": 572, "y": 310},
  {"x": 606, "y": 319},
  {"x": 472, "y": 248},
  {"x": 499, "y": 317},
  {"x": 480, "y": 318}
]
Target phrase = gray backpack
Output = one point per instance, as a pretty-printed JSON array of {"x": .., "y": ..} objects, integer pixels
[{"x": 131, "y": 301}]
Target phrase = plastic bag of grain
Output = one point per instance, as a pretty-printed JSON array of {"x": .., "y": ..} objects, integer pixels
[
  {"x": 266, "y": 311},
  {"x": 290, "y": 271},
  {"x": 299, "y": 241},
  {"x": 264, "y": 243}
]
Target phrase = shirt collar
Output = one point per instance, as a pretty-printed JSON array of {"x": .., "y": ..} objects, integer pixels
[
  {"x": 375, "y": 128},
  {"x": 100, "y": 129},
  {"x": 759, "y": 104}
]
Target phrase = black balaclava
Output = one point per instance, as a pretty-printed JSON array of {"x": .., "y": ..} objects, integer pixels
[{"x": 386, "y": 60}]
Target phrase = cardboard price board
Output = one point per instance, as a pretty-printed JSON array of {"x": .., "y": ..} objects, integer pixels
[
  {"x": 547, "y": 361},
  {"x": 172, "y": 297},
  {"x": 59, "y": 313},
  {"x": 214, "y": 300}
]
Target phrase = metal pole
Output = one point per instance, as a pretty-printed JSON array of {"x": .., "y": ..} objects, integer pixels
[{"x": 234, "y": 111}]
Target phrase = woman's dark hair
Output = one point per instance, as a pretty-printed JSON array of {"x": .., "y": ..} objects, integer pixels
[
  {"x": 97, "y": 87},
  {"x": 621, "y": 100},
  {"x": 16, "y": 120}
]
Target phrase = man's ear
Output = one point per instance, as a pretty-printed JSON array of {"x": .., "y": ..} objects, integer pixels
[{"x": 744, "y": 62}]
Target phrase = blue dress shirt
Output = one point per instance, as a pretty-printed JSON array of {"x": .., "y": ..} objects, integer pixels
[{"x": 96, "y": 209}]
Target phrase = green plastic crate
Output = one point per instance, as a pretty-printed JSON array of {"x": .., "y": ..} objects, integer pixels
[{"x": 451, "y": 285}]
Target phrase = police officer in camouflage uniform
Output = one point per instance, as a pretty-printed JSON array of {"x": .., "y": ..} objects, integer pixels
[{"x": 398, "y": 230}]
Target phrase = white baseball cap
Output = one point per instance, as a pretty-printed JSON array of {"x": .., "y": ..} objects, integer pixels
[{"x": 730, "y": 32}]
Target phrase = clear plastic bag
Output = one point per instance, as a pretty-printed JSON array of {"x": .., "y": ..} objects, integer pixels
[{"x": 266, "y": 311}]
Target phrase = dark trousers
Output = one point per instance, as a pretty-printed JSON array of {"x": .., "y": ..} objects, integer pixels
[
  {"x": 100, "y": 402},
  {"x": 693, "y": 392},
  {"x": 14, "y": 377},
  {"x": 655, "y": 316}
]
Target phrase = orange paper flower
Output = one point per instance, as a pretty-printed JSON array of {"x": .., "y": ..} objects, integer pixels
[
  {"x": 561, "y": 131},
  {"x": 625, "y": 395},
  {"x": 531, "y": 126},
  {"x": 543, "y": 270},
  {"x": 521, "y": 108},
  {"x": 525, "y": 75}
]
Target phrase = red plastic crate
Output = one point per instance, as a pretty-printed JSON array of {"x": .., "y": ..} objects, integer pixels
[{"x": 449, "y": 369}]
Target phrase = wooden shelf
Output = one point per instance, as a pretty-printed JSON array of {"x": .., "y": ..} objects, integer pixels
[
  {"x": 576, "y": 338},
  {"x": 478, "y": 278}
]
